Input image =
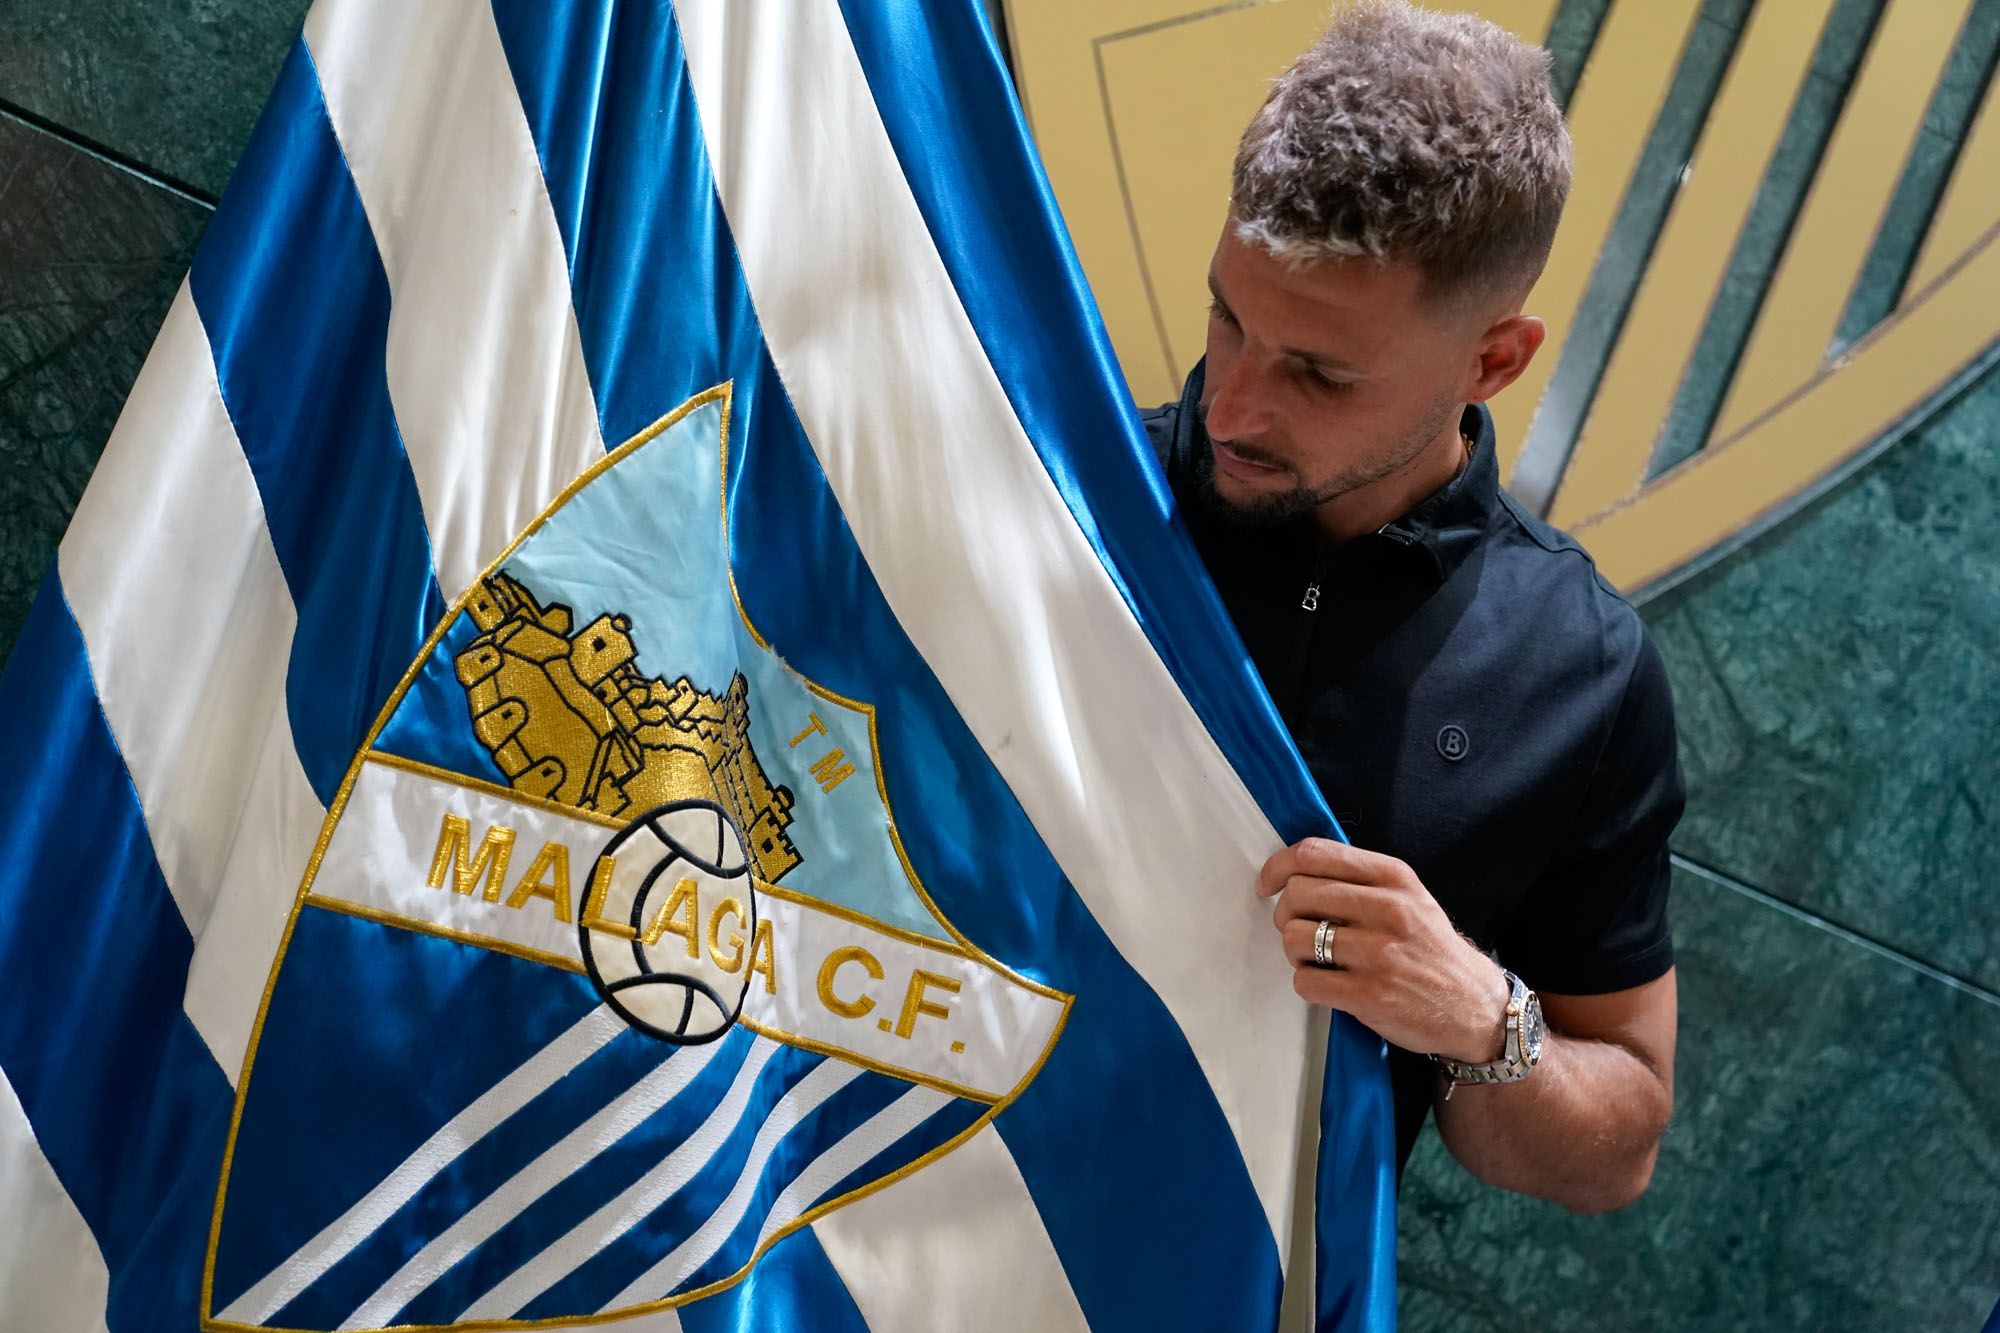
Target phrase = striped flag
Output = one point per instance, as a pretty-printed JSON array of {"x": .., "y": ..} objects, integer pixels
[{"x": 626, "y": 731}]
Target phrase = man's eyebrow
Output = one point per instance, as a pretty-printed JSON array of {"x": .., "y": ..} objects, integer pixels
[
  {"x": 1322, "y": 359},
  {"x": 1303, "y": 354}
]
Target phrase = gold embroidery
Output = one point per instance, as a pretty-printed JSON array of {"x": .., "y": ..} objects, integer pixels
[
  {"x": 814, "y": 727},
  {"x": 569, "y": 717},
  {"x": 683, "y": 901},
  {"x": 552, "y": 860},
  {"x": 763, "y": 958},
  {"x": 734, "y": 960},
  {"x": 833, "y": 770},
  {"x": 593, "y": 906},
  {"x": 861, "y": 1004},
  {"x": 915, "y": 1003},
  {"x": 467, "y": 868}
]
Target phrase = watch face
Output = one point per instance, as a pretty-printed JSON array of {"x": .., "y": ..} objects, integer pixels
[{"x": 1531, "y": 1028}]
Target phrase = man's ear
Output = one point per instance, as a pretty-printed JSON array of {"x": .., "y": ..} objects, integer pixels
[{"x": 1503, "y": 352}]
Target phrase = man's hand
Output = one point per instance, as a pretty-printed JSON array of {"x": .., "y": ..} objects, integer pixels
[
  {"x": 1584, "y": 1129},
  {"x": 1399, "y": 965}
]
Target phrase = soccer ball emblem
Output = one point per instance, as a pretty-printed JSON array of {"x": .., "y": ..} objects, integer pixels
[{"x": 669, "y": 922}]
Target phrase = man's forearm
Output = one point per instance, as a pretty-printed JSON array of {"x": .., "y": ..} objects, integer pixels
[{"x": 1583, "y": 1130}]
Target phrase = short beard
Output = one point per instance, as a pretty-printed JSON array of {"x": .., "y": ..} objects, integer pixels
[{"x": 1279, "y": 508}]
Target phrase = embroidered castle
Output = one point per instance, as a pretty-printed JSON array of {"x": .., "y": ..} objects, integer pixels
[{"x": 570, "y": 718}]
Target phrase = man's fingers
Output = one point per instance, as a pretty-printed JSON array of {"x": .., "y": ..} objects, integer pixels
[
  {"x": 1353, "y": 946},
  {"x": 1326, "y": 858},
  {"x": 1336, "y": 988},
  {"x": 1305, "y": 897}
]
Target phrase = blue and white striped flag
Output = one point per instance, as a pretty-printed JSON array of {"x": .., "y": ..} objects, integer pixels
[{"x": 625, "y": 732}]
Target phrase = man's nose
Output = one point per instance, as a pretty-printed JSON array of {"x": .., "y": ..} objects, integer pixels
[{"x": 1237, "y": 402}]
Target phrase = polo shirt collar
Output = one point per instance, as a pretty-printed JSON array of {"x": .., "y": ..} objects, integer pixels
[
  {"x": 1450, "y": 523},
  {"x": 1443, "y": 529}
]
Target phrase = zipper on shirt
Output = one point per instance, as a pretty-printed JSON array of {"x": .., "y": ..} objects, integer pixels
[{"x": 1304, "y": 627}]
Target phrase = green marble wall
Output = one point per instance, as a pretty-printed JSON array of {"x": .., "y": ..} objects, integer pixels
[{"x": 1835, "y": 1158}]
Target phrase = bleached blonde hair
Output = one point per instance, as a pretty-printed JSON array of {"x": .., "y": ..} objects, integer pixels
[{"x": 1410, "y": 136}]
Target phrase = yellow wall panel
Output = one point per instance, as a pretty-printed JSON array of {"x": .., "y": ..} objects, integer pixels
[
  {"x": 1693, "y": 252},
  {"x": 1970, "y": 208},
  {"x": 1610, "y": 117},
  {"x": 1850, "y": 194}
]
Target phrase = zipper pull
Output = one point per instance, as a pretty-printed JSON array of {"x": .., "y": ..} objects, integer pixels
[{"x": 1310, "y": 602}]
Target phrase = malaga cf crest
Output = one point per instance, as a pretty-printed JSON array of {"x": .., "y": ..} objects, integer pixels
[{"x": 609, "y": 969}]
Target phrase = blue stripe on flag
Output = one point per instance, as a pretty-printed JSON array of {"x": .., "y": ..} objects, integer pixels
[
  {"x": 599, "y": 1280},
  {"x": 793, "y": 1276},
  {"x": 1355, "y": 1240},
  {"x": 299, "y": 1163},
  {"x": 607, "y": 98},
  {"x": 947, "y": 100},
  {"x": 569, "y": 1201},
  {"x": 125, "y": 1100},
  {"x": 296, "y": 304},
  {"x": 606, "y": 92},
  {"x": 841, "y": 1114}
]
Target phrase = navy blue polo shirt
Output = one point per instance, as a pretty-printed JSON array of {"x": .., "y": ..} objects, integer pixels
[{"x": 1473, "y": 698}]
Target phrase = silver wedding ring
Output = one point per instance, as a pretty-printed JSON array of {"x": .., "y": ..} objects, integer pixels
[{"x": 1323, "y": 945}]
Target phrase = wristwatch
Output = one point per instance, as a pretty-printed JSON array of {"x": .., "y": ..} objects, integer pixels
[{"x": 1521, "y": 1051}]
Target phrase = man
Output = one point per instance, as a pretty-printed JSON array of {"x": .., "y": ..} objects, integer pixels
[{"x": 1484, "y": 713}]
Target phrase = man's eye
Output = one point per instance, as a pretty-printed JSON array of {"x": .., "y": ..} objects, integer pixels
[
  {"x": 1219, "y": 311},
  {"x": 1321, "y": 380}
]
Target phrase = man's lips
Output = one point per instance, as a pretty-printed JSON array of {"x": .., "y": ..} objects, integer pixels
[{"x": 1236, "y": 465}]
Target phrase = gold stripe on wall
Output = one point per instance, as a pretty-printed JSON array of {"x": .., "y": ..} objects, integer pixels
[
  {"x": 1610, "y": 118},
  {"x": 1749, "y": 115},
  {"x": 1850, "y": 194},
  {"x": 1971, "y": 204},
  {"x": 1721, "y": 494}
]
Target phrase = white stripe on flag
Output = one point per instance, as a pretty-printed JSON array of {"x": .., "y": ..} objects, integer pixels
[
  {"x": 858, "y": 1145},
  {"x": 612, "y": 1122},
  {"x": 680, "y": 1263},
  {"x": 983, "y": 563},
  {"x": 636, "y": 1200},
  {"x": 958, "y": 1244},
  {"x": 52, "y": 1276},
  {"x": 172, "y": 578},
  {"x": 485, "y": 363},
  {"x": 339, "y": 1237},
  {"x": 232, "y": 954}
]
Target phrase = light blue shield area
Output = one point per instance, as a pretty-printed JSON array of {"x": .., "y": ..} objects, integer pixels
[
  {"x": 645, "y": 541},
  {"x": 374, "y": 1038}
]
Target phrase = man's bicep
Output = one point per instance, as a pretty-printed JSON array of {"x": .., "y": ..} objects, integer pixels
[{"x": 1641, "y": 1019}]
